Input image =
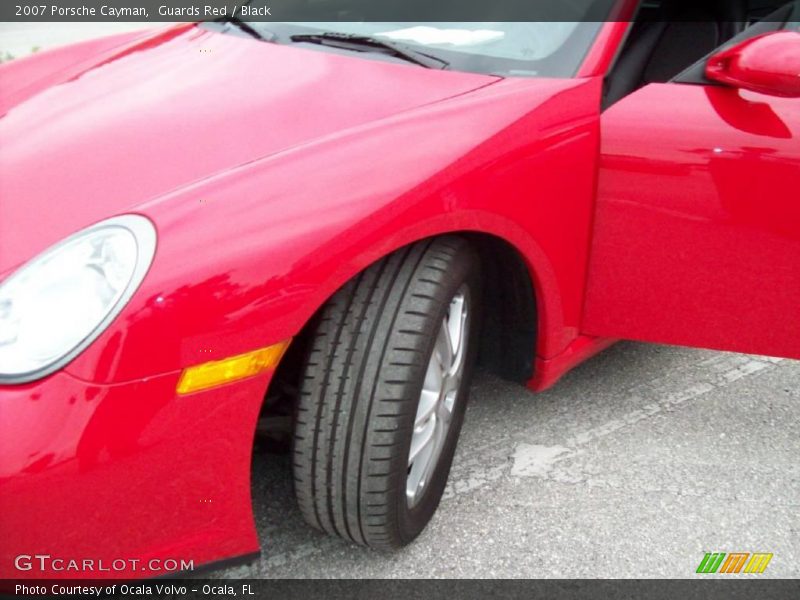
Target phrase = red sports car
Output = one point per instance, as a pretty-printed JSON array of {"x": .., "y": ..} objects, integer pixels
[{"x": 221, "y": 222}]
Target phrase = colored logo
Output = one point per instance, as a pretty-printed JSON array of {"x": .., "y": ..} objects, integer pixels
[{"x": 734, "y": 562}]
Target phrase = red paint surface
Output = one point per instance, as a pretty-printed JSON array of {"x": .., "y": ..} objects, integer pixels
[
  {"x": 697, "y": 236},
  {"x": 128, "y": 471},
  {"x": 768, "y": 64},
  {"x": 274, "y": 174},
  {"x": 270, "y": 184}
]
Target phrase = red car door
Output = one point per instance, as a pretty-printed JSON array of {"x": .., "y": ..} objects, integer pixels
[{"x": 697, "y": 226}]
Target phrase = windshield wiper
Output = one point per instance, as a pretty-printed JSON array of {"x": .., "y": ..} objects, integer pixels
[
  {"x": 245, "y": 27},
  {"x": 363, "y": 43}
]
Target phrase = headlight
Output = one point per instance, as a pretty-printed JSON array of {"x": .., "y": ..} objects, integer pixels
[{"x": 57, "y": 304}]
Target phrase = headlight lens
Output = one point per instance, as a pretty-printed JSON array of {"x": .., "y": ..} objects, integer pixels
[{"x": 58, "y": 303}]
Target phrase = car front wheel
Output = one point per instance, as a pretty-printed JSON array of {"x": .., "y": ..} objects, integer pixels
[{"x": 383, "y": 394}]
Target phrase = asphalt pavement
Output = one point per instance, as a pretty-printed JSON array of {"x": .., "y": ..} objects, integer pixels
[{"x": 634, "y": 465}]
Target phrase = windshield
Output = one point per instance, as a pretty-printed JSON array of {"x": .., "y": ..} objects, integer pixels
[{"x": 525, "y": 49}]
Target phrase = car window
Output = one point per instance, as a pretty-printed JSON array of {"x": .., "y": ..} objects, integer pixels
[
  {"x": 519, "y": 41},
  {"x": 552, "y": 47},
  {"x": 498, "y": 48}
]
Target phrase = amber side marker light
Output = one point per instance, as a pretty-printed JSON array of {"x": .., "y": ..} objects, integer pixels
[{"x": 227, "y": 370}]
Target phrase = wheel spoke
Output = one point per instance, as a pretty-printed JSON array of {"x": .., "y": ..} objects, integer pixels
[
  {"x": 428, "y": 401},
  {"x": 421, "y": 440},
  {"x": 457, "y": 326},
  {"x": 434, "y": 375},
  {"x": 450, "y": 384},
  {"x": 444, "y": 410},
  {"x": 445, "y": 346}
]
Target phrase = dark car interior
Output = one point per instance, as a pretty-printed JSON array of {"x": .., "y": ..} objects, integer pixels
[{"x": 670, "y": 36}]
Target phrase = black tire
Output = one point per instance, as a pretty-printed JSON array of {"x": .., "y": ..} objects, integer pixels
[{"x": 360, "y": 388}]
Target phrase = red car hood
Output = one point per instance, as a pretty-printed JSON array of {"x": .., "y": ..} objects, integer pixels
[{"x": 173, "y": 110}]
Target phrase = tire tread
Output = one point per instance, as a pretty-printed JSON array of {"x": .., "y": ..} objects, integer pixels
[{"x": 357, "y": 391}]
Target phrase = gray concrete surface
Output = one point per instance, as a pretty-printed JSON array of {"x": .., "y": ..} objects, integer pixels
[{"x": 634, "y": 465}]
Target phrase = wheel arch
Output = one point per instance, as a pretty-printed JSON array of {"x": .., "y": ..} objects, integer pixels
[
  {"x": 509, "y": 332},
  {"x": 520, "y": 300}
]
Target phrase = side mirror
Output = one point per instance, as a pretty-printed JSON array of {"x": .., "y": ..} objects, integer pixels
[{"x": 769, "y": 64}]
